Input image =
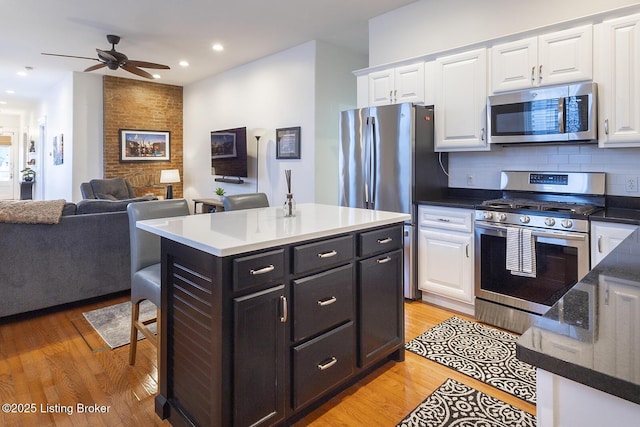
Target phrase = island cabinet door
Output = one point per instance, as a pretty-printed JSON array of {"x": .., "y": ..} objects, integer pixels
[
  {"x": 259, "y": 357},
  {"x": 380, "y": 313}
]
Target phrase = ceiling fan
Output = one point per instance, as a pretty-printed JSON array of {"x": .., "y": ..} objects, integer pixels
[{"x": 114, "y": 60}]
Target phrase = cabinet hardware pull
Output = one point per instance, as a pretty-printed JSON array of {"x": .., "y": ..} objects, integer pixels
[
  {"x": 467, "y": 250},
  {"x": 600, "y": 244},
  {"x": 263, "y": 270},
  {"x": 482, "y": 134},
  {"x": 327, "y": 365},
  {"x": 540, "y": 74},
  {"x": 533, "y": 73},
  {"x": 327, "y": 301},
  {"x": 383, "y": 260},
  {"x": 328, "y": 254},
  {"x": 606, "y": 126},
  {"x": 385, "y": 240},
  {"x": 285, "y": 311},
  {"x": 444, "y": 219}
]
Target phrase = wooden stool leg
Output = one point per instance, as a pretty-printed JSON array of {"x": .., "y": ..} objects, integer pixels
[{"x": 135, "y": 314}]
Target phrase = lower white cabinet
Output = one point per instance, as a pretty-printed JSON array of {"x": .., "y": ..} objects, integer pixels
[
  {"x": 445, "y": 256},
  {"x": 605, "y": 236}
]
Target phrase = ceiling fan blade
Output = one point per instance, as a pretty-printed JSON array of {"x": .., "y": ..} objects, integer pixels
[
  {"x": 106, "y": 56},
  {"x": 95, "y": 67},
  {"x": 144, "y": 64},
  {"x": 70, "y": 56},
  {"x": 135, "y": 70}
]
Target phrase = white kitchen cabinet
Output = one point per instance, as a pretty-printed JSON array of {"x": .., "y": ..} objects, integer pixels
[
  {"x": 554, "y": 58},
  {"x": 396, "y": 85},
  {"x": 618, "y": 55},
  {"x": 605, "y": 236},
  {"x": 445, "y": 257},
  {"x": 461, "y": 102}
]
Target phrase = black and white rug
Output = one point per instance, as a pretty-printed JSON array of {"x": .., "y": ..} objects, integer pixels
[
  {"x": 481, "y": 352},
  {"x": 113, "y": 323},
  {"x": 455, "y": 404}
]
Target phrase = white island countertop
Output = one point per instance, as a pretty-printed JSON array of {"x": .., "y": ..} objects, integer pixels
[{"x": 234, "y": 232}]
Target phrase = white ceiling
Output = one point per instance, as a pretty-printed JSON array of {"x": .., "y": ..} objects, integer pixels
[{"x": 167, "y": 31}]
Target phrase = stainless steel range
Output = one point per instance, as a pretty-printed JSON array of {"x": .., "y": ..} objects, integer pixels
[{"x": 532, "y": 245}]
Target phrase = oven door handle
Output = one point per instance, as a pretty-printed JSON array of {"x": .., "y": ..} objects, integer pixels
[{"x": 537, "y": 233}]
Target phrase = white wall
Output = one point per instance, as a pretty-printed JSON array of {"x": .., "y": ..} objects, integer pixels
[
  {"x": 431, "y": 26},
  {"x": 427, "y": 27},
  {"x": 289, "y": 88}
]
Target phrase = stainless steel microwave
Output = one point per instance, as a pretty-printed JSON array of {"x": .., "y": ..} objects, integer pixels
[{"x": 566, "y": 113}]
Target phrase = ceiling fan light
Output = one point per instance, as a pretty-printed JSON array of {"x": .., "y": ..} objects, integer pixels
[
  {"x": 184, "y": 63},
  {"x": 217, "y": 47},
  {"x": 157, "y": 76}
]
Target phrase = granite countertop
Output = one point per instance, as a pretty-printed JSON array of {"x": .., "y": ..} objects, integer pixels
[
  {"x": 234, "y": 232},
  {"x": 465, "y": 198},
  {"x": 592, "y": 335}
]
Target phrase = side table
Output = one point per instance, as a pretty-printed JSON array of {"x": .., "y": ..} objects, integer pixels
[{"x": 208, "y": 205}]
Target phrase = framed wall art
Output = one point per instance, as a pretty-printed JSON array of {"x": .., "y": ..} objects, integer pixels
[
  {"x": 288, "y": 143},
  {"x": 144, "y": 145}
]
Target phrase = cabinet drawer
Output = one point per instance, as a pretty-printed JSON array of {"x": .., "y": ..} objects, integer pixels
[
  {"x": 378, "y": 241},
  {"x": 326, "y": 253},
  {"x": 322, "y": 362},
  {"x": 445, "y": 218},
  {"x": 322, "y": 301},
  {"x": 258, "y": 269}
]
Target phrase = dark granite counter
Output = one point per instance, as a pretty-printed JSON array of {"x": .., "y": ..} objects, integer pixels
[
  {"x": 465, "y": 198},
  {"x": 592, "y": 335}
]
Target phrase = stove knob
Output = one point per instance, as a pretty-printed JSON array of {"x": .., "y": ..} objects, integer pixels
[
  {"x": 487, "y": 215},
  {"x": 501, "y": 216},
  {"x": 566, "y": 223},
  {"x": 525, "y": 219},
  {"x": 550, "y": 222}
]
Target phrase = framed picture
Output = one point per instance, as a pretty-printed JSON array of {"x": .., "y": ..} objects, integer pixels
[
  {"x": 144, "y": 145},
  {"x": 288, "y": 143},
  {"x": 223, "y": 145}
]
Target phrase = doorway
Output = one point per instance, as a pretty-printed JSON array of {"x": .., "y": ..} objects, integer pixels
[{"x": 7, "y": 186}]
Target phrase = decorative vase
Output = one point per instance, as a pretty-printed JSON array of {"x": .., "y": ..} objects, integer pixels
[{"x": 289, "y": 207}]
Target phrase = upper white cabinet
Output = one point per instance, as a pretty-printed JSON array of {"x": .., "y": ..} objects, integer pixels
[
  {"x": 554, "y": 58},
  {"x": 396, "y": 85},
  {"x": 461, "y": 102},
  {"x": 618, "y": 55}
]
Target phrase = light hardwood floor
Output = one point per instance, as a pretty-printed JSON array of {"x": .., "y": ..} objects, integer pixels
[{"x": 57, "y": 359}]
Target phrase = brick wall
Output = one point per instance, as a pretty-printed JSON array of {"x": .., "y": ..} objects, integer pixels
[{"x": 140, "y": 105}]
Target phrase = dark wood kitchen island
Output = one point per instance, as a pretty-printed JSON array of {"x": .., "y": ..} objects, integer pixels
[{"x": 264, "y": 317}]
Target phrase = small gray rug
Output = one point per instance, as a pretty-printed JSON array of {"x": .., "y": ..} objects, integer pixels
[
  {"x": 456, "y": 404},
  {"x": 113, "y": 322}
]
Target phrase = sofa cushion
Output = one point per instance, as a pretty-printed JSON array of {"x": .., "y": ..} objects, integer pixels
[
  {"x": 88, "y": 206},
  {"x": 103, "y": 196},
  {"x": 116, "y": 187},
  {"x": 69, "y": 209}
]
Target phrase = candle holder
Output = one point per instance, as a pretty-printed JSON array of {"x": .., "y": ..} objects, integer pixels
[{"x": 289, "y": 207}]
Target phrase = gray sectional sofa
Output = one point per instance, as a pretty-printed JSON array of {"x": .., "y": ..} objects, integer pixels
[{"x": 85, "y": 255}]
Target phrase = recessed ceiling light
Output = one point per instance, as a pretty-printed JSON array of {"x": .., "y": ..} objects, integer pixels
[
  {"x": 217, "y": 47},
  {"x": 10, "y": 92},
  {"x": 22, "y": 73},
  {"x": 156, "y": 76},
  {"x": 3, "y": 102},
  {"x": 184, "y": 63}
]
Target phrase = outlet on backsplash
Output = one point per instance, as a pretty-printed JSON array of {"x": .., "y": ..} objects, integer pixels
[
  {"x": 470, "y": 180},
  {"x": 631, "y": 184}
]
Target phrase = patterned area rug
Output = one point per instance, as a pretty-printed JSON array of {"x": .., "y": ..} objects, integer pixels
[
  {"x": 113, "y": 322},
  {"x": 481, "y": 352},
  {"x": 455, "y": 404}
]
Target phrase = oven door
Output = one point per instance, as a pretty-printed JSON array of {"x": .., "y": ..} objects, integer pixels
[{"x": 562, "y": 259}]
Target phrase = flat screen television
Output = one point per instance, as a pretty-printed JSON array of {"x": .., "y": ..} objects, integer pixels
[{"x": 229, "y": 152}]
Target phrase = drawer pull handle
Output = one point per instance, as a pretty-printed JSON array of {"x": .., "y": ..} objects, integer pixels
[
  {"x": 327, "y": 254},
  {"x": 383, "y": 260},
  {"x": 328, "y": 364},
  {"x": 444, "y": 220},
  {"x": 385, "y": 240},
  {"x": 264, "y": 270},
  {"x": 284, "y": 308},
  {"x": 328, "y": 301}
]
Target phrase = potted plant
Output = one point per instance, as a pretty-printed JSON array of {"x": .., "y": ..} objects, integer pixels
[
  {"x": 220, "y": 193},
  {"x": 28, "y": 174}
]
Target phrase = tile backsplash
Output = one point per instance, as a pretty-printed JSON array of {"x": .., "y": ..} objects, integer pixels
[{"x": 482, "y": 169}]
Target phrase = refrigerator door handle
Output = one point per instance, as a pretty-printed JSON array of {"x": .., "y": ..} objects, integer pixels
[{"x": 373, "y": 143}]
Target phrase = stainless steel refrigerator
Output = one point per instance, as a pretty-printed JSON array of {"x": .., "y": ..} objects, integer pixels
[{"x": 387, "y": 162}]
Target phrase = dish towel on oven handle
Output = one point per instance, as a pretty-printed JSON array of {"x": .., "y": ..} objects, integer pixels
[
  {"x": 528, "y": 253},
  {"x": 513, "y": 250}
]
